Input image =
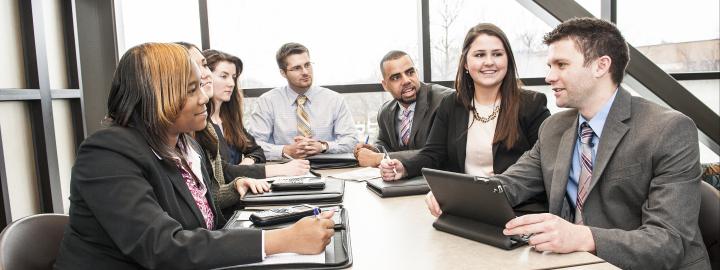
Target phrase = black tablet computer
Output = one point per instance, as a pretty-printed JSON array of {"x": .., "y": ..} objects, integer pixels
[{"x": 473, "y": 207}]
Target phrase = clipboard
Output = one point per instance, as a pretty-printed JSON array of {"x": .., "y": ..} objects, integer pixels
[
  {"x": 337, "y": 256},
  {"x": 385, "y": 189},
  {"x": 332, "y": 193}
]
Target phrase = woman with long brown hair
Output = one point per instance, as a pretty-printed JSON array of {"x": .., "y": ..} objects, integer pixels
[{"x": 488, "y": 123}]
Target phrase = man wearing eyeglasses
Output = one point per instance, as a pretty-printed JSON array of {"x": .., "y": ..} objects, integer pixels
[{"x": 300, "y": 120}]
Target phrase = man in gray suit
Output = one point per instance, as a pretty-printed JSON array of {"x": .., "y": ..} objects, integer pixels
[
  {"x": 621, "y": 173},
  {"x": 405, "y": 122}
]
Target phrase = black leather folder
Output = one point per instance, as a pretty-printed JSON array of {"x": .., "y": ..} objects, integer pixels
[
  {"x": 385, "y": 189},
  {"x": 473, "y": 207},
  {"x": 337, "y": 256},
  {"x": 332, "y": 161},
  {"x": 332, "y": 193}
]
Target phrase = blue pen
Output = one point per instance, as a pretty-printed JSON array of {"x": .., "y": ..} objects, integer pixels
[
  {"x": 316, "y": 212},
  {"x": 367, "y": 139}
]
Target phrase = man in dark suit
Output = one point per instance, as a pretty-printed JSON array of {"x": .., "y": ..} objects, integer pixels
[
  {"x": 405, "y": 121},
  {"x": 621, "y": 173}
]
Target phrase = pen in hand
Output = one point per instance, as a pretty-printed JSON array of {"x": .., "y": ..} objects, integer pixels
[{"x": 387, "y": 157}]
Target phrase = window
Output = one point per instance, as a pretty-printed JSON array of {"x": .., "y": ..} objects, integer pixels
[
  {"x": 677, "y": 36},
  {"x": 346, "y": 39},
  {"x": 156, "y": 21},
  {"x": 451, "y": 19}
]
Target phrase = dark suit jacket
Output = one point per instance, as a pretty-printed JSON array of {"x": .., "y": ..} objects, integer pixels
[
  {"x": 428, "y": 99},
  {"x": 644, "y": 198},
  {"x": 445, "y": 148},
  {"x": 233, "y": 170},
  {"x": 131, "y": 210}
]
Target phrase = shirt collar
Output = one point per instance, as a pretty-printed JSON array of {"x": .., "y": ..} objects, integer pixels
[
  {"x": 292, "y": 95},
  {"x": 598, "y": 121},
  {"x": 402, "y": 109}
]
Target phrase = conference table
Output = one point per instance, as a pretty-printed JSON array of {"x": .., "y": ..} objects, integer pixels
[{"x": 397, "y": 233}]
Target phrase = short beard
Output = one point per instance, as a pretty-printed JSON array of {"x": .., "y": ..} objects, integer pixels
[{"x": 406, "y": 102}]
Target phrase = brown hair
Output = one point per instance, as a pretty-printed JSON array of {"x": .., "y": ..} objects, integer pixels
[
  {"x": 148, "y": 91},
  {"x": 286, "y": 50},
  {"x": 507, "y": 130},
  {"x": 231, "y": 112},
  {"x": 595, "y": 38}
]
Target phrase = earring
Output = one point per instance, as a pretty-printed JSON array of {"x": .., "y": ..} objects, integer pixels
[{"x": 467, "y": 72}]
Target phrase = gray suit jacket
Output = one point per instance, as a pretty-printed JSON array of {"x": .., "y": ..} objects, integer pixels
[
  {"x": 644, "y": 197},
  {"x": 429, "y": 97}
]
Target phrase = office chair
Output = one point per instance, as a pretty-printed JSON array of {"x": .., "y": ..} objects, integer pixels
[
  {"x": 709, "y": 221},
  {"x": 32, "y": 242}
]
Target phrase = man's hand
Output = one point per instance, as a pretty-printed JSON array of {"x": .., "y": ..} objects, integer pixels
[
  {"x": 296, "y": 149},
  {"x": 242, "y": 185},
  {"x": 432, "y": 204},
  {"x": 368, "y": 158},
  {"x": 364, "y": 146},
  {"x": 392, "y": 170},
  {"x": 309, "y": 145},
  {"x": 247, "y": 161},
  {"x": 551, "y": 233}
]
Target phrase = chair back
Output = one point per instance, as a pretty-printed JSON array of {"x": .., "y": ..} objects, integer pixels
[
  {"x": 32, "y": 242},
  {"x": 709, "y": 221}
]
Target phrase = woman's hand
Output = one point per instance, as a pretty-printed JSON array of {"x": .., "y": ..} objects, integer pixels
[
  {"x": 291, "y": 168},
  {"x": 309, "y": 235},
  {"x": 242, "y": 185}
]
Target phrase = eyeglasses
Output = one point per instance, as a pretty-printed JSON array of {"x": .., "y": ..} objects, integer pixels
[{"x": 299, "y": 68}]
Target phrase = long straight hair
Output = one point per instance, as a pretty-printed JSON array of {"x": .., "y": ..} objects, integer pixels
[
  {"x": 231, "y": 112},
  {"x": 148, "y": 91},
  {"x": 507, "y": 130}
]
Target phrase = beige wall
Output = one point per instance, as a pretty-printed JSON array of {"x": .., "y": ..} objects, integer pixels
[
  {"x": 15, "y": 121},
  {"x": 64, "y": 135},
  {"x": 10, "y": 46},
  {"x": 19, "y": 159}
]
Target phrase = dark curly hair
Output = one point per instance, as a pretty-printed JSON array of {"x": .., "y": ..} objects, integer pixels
[{"x": 595, "y": 38}]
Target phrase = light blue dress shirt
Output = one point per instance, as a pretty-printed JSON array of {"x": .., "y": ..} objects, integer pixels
[
  {"x": 398, "y": 119},
  {"x": 596, "y": 123},
  {"x": 273, "y": 121}
]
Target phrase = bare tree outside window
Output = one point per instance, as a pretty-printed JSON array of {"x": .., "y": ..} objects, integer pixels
[{"x": 446, "y": 47}]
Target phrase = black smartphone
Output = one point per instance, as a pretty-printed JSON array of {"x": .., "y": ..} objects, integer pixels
[
  {"x": 281, "y": 215},
  {"x": 298, "y": 183}
]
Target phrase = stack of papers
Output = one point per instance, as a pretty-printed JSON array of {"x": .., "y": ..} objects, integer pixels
[{"x": 359, "y": 175}]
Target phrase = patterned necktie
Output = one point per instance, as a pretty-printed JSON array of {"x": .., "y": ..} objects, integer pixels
[
  {"x": 586, "y": 167},
  {"x": 405, "y": 126},
  {"x": 303, "y": 120}
]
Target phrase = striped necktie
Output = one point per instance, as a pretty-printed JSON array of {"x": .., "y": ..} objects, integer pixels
[
  {"x": 405, "y": 125},
  {"x": 586, "y": 167},
  {"x": 303, "y": 120}
]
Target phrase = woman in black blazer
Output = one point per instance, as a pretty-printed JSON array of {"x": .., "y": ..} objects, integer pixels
[
  {"x": 489, "y": 104},
  {"x": 139, "y": 188}
]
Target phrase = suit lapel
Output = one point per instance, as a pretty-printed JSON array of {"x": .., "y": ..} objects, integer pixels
[
  {"x": 421, "y": 108},
  {"x": 178, "y": 182},
  {"x": 561, "y": 172},
  {"x": 613, "y": 131},
  {"x": 394, "y": 143},
  {"x": 462, "y": 117}
]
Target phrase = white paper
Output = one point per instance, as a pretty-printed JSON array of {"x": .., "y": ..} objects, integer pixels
[
  {"x": 360, "y": 175},
  {"x": 285, "y": 258},
  {"x": 244, "y": 215}
]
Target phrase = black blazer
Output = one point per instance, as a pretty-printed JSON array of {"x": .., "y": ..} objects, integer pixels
[
  {"x": 131, "y": 210},
  {"x": 233, "y": 170},
  {"x": 428, "y": 100},
  {"x": 445, "y": 148}
]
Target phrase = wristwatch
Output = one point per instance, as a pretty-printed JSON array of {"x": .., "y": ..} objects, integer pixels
[{"x": 324, "y": 146}]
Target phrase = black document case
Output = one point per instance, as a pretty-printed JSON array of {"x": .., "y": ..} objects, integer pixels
[
  {"x": 473, "y": 207},
  {"x": 332, "y": 193},
  {"x": 338, "y": 258},
  {"x": 332, "y": 161},
  {"x": 385, "y": 189}
]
